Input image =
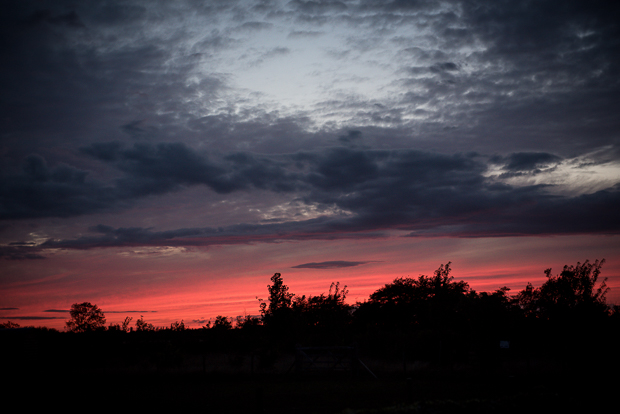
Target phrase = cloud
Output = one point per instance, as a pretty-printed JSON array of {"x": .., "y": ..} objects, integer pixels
[
  {"x": 296, "y": 34},
  {"x": 25, "y": 252},
  {"x": 41, "y": 191},
  {"x": 351, "y": 136},
  {"x": 318, "y": 7},
  {"x": 486, "y": 73},
  {"x": 526, "y": 161},
  {"x": 127, "y": 311},
  {"x": 131, "y": 311},
  {"x": 360, "y": 192},
  {"x": 524, "y": 164},
  {"x": 535, "y": 85},
  {"x": 444, "y": 67},
  {"x": 277, "y": 51},
  {"x": 336, "y": 264},
  {"x": 315, "y": 229},
  {"x": 64, "y": 191},
  {"x": 269, "y": 54},
  {"x": 255, "y": 26},
  {"x": 33, "y": 318}
]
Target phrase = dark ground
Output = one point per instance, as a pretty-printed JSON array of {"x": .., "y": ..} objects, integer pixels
[
  {"x": 97, "y": 373},
  {"x": 264, "y": 394},
  {"x": 431, "y": 390}
]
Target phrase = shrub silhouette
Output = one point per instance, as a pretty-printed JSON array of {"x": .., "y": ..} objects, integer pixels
[
  {"x": 143, "y": 326},
  {"x": 323, "y": 312},
  {"x": 178, "y": 326},
  {"x": 247, "y": 322},
  {"x": 222, "y": 323}
]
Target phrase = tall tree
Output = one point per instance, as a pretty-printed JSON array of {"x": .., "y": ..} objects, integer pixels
[{"x": 276, "y": 311}]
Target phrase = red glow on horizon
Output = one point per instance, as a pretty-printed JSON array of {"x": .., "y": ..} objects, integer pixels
[{"x": 194, "y": 287}]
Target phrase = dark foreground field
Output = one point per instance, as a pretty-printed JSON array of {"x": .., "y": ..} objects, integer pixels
[
  {"x": 219, "y": 382},
  {"x": 246, "y": 371},
  {"x": 431, "y": 393}
]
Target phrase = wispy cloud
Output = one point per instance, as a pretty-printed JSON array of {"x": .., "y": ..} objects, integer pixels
[
  {"x": 335, "y": 264},
  {"x": 33, "y": 318}
]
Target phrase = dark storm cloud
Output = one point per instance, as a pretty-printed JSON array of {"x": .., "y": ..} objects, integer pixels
[
  {"x": 63, "y": 191},
  {"x": 351, "y": 136},
  {"x": 502, "y": 75},
  {"x": 424, "y": 192},
  {"x": 540, "y": 76},
  {"x": 105, "y": 151},
  {"x": 444, "y": 67},
  {"x": 156, "y": 169},
  {"x": 46, "y": 16},
  {"x": 335, "y": 264},
  {"x": 23, "y": 253},
  {"x": 41, "y": 191},
  {"x": 527, "y": 161},
  {"x": 585, "y": 214},
  {"x": 535, "y": 83},
  {"x": 100, "y": 74},
  {"x": 315, "y": 229}
]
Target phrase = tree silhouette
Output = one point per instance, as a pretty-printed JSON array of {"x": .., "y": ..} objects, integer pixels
[
  {"x": 571, "y": 294},
  {"x": 125, "y": 325},
  {"x": 121, "y": 327},
  {"x": 276, "y": 311},
  {"x": 178, "y": 326},
  {"x": 323, "y": 311},
  {"x": 246, "y": 322},
  {"x": 222, "y": 323},
  {"x": 408, "y": 302},
  {"x": 143, "y": 326},
  {"x": 85, "y": 317}
]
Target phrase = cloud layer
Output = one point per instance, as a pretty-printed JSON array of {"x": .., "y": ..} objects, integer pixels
[
  {"x": 343, "y": 119},
  {"x": 356, "y": 193}
]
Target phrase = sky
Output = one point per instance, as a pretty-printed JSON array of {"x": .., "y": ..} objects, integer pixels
[{"x": 165, "y": 159}]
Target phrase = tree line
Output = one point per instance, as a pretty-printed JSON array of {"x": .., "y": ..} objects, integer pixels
[{"x": 421, "y": 312}]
